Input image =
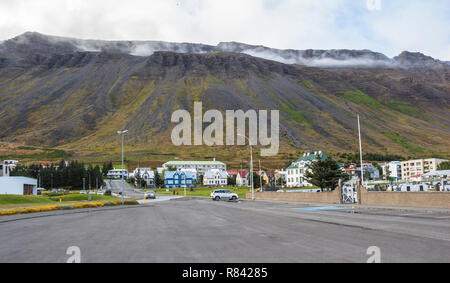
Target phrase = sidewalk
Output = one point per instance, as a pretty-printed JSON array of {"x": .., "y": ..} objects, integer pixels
[{"x": 361, "y": 206}]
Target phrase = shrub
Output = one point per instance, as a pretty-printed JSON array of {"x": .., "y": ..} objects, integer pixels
[
  {"x": 87, "y": 205},
  {"x": 29, "y": 210}
]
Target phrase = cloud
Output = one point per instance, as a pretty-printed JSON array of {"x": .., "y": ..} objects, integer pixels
[{"x": 287, "y": 24}]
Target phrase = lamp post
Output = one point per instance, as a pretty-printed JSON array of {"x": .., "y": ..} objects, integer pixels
[
  {"x": 251, "y": 165},
  {"x": 122, "y": 133},
  {"x": 360, "y": 152}
]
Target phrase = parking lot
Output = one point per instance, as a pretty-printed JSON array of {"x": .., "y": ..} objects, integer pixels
[{"x": 201, "y": 230}]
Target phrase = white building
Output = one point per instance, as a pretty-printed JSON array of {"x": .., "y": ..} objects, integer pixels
[
  {"x": 117, "y": 174},
  {"x": 7, "y": 166},
  {"x": 18, "y": 186},
  {"x": 296, "y": 172},
  {"x": 201, "y": 167},
  {"x": 146, "y": 174},
  {"x": 243, "y": 179},
  {"x": 216, "y": 178},
  {"x": 437, "y": 175},
  {"x": 395, "y": 169},
  {"x": 419, "y": 167}
]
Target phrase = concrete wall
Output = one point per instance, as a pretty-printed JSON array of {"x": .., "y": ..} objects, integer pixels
[
  {"x": 408, "y": 199},
  {"x": 333, "y": 197}
]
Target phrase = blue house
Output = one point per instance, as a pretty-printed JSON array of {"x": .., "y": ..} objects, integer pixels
[{"x": 179, "y": 179}]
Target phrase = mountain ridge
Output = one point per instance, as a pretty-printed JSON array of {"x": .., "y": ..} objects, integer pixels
[
  {"x": 78, "y": 100},
  {"x": 310, "y": 57}
]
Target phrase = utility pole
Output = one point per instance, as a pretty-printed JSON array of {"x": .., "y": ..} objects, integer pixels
[
  {"x": 251, "y": 166},
  {"x": 260, "y": 175},
  {"x": 360, "y": 152},
  {"x": 122, "y": 133}
]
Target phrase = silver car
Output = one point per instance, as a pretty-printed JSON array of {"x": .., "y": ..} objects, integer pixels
[
  {"x": 150, "y": 195},
  {"x": 224, "y": 195}
]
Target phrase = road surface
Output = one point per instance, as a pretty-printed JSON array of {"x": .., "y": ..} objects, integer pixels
[{"x": 200, "y": 230}]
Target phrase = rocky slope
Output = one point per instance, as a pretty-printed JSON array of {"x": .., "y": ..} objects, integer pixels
[{"x": 76, "y": 94}]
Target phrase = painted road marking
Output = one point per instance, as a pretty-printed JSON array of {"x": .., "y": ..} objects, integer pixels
[{"x": 321, "y": 208}]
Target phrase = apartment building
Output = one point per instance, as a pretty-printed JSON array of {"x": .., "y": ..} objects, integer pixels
[
  {"x": 201, "y": 167},
  {"x": 417, "y": 167},
  {"x": 394, "y": 169}
]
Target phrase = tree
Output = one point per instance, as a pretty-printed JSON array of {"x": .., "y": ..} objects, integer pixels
[
  {"x": 325, "y": 174},
  {"x": 388, "y": 174},
  {"x": 106, "y": 168},
  {"x": 256, "y": 181},
  {"x": 159, "y": 183},
  {"x": 231, "y": 180},
  {"x": 444, "y": 166}
]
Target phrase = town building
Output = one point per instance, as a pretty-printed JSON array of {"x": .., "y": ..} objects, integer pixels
[
  {"x": 265, "y": 177},
  {"x": 242, "y": 178},
  {"x": 419, "y": 167},
  {"x": 280, "y": 177},
  {"x": 18, "y": 186},
  {"x": 296, "y": 172},
  {"x": 436, "y": 175},
  {"x": 117, "y": 174},
  {"x": 179, "y": 179},
  {"x": 146, "y": 174},
  {"x": 370, "y": 172},
  {"x": 7, "y": 166},
  {"x": 201, "y": 167},
  {"x": 216, "y": 178},
  {"x": 394, "y": 168}
]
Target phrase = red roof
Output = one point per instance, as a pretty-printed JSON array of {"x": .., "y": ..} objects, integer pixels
[{"x": 243, "y": 174}]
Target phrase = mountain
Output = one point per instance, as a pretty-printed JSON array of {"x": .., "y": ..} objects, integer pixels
[{"x": 75, "y": 95}]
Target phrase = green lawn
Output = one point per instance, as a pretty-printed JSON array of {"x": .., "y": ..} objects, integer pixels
[
  {"x": 203, "y": 192},
  {"x": 79, "y": 197},
  {"x": 17, "y": 199}
]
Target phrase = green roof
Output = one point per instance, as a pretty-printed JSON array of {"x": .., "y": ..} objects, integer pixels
[{"x": 312, "y": 157}]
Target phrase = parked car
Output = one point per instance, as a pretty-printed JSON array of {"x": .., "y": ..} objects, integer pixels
[
  {"x": 150, "y": 195},
  {"x": 100, "y": 193},
  {"x": 83, "y": 192},
  {"x": 224, "y": 195}
]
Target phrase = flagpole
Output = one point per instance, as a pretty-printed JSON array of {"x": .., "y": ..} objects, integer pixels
[{"x": 360, "y": 152}]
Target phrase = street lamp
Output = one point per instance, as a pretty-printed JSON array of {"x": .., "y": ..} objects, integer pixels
[
  {"x": 251, "y": 165},
  {"x": 122, "y": 133}
]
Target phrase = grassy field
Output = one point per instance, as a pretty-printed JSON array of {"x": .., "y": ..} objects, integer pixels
[
  {"x": 202, "y": 192},
  {"x": 79, "y": 197},
  {"x": 17, "y": 199}
]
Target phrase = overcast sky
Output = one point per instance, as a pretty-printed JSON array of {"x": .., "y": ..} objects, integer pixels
[{"x": 391, "y": 27}]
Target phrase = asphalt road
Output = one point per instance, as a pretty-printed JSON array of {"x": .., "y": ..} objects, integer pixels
[
  {"x": 191, "y": 231},
  {"x": 129, "y": 191}
]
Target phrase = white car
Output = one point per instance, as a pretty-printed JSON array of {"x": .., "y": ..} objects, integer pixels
[
  {"x": 224, "y": 195},
  {"x": 150, "y": 195},
  {"x": 83, "y": 192},
  {"x": 100, "y": 193}
]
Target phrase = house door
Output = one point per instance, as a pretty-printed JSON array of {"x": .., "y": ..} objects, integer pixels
[{"x": 28, "y": 190}]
